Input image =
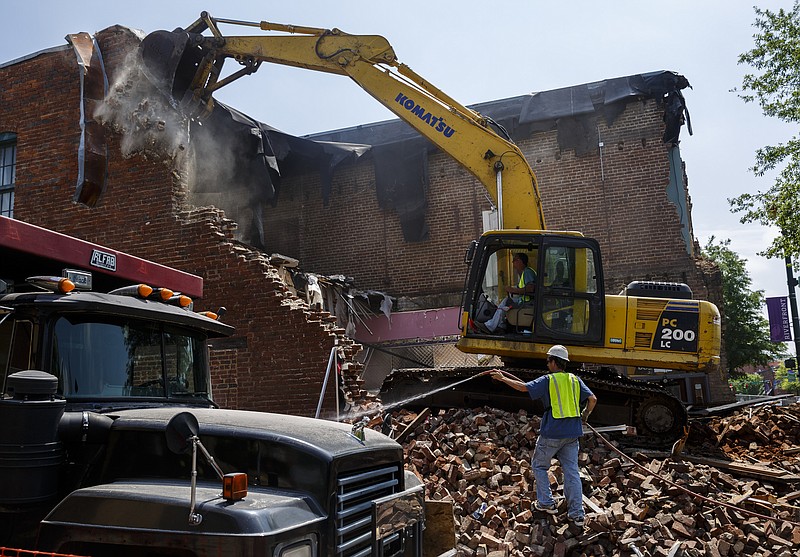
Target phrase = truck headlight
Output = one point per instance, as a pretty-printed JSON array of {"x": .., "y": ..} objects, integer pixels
[{"x": 301, "y": 548}]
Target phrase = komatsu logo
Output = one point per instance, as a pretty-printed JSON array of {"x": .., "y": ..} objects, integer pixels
[{"x": 435, "y": 122}]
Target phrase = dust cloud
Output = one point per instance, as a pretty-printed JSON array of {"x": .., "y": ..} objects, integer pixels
[
  {"x": 213, "y": 158},
  {"x": 148, "y": 122}
]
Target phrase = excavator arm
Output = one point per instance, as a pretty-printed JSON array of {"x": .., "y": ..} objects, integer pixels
[{"x": 188, "y": 65}]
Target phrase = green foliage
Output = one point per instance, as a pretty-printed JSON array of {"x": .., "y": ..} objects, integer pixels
[
  {"x": 750, "y": 384},
  {"x": 775, "y": 86},
  {"x": 746, "y": 332},
  {"x": 782, "y": 377}
]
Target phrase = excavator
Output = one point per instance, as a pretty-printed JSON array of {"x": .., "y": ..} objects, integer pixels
[{"x": 656, "y": 325}]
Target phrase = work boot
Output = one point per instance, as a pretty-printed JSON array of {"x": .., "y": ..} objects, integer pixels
[{"x": 549, "y": 509}]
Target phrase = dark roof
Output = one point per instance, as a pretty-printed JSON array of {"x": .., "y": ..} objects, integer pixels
[{"x": 539, "y": 110}]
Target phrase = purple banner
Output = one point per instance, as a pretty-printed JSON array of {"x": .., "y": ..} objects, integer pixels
[{"x": 778, "y": 312}]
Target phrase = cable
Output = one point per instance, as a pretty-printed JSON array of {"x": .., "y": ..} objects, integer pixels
[
  {"x": 669, "y": 482},
  {"x": 500, "y": 127}
]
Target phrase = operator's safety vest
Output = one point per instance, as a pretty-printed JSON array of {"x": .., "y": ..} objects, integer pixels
[
  {"x": 521, "y": 284},
  {"x": 565, "y": 395}
]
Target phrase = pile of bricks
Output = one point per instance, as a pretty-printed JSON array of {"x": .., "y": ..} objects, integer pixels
[
  {"x": 638, "y": 503},
  {"x": 768, "y": 433}
]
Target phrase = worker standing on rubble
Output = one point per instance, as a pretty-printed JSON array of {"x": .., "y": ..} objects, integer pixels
[{"x": 562, "y": 394}]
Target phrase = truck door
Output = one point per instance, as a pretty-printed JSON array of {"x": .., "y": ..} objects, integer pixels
[{"x": 571, "y": 297}]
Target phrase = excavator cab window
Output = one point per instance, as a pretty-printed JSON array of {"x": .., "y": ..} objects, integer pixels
[
  {"x": 491, "y": 274},
  {"x": 500, "y": 271},
  {"x": 567, "y": 304},
  {"x": 571, "y": 298}
]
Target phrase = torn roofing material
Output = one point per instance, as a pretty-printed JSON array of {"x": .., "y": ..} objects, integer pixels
[
  {"x": 264, "y": 154},
  {"x": 241, "y": 157},
  {"x": 539, "y": 111}
]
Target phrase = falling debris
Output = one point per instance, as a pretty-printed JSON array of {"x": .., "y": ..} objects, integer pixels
[{"x": 146, "y": 120}]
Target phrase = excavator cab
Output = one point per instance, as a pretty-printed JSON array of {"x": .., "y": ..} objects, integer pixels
[{"x": 566, "y": 306}]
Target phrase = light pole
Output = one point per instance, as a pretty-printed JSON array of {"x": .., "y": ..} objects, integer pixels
[{"x": 792, "y": 283}]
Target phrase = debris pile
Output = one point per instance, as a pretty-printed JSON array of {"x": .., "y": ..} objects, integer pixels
[
  {"x": 769, "y": 433},
  {"x": 638, "y": 502}
]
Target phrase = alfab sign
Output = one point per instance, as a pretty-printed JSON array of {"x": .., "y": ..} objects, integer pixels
[{"x": 778, "y": 313}]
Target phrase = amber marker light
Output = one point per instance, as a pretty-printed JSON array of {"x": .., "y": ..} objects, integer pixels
[
  {"x": 59, "y": 285},
  {"x": 181, "y": 300},
  {"x": 163, "y": 294},
  {"x": 143, "y": 290},
  {"x": 209, "y": 314},
  {"x": 65, "y": 285},
  {"x": 234, "y": 486}
]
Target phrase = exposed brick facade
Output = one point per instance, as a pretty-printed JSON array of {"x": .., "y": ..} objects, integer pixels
[
  {"x": 619, "y": 198},
  {"x": 276, "y": 360}
]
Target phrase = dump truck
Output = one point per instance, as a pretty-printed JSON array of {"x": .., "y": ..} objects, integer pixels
[
  {"x": 112, "y": 445},
  {"x": 657, "y": 325}
]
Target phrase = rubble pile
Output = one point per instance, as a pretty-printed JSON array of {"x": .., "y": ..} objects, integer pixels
[
  {"x": 768, "y": 434},
  {"x": 639, "y": 503}
]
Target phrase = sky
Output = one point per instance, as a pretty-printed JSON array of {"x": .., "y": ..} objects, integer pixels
[{"x": 478, "y": 51}]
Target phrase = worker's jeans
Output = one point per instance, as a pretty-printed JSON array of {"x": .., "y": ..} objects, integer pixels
[
  {"x": 500, "y": 313},
  {"x": 566, "y": 451}
]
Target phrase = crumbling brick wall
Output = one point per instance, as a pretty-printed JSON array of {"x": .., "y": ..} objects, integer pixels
[
  {"x": 280, "y": 348},
  {"x": 355, "y": 237}
]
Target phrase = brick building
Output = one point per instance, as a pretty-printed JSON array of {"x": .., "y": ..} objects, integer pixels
[
  {"x": 87, "y": 180},
  {"x": 277, "y": 358}
]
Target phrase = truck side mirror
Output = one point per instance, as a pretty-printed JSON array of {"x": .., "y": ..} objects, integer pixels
[
  {"x": 181, "y": 429},
  {"x": 182, "y": 438}
]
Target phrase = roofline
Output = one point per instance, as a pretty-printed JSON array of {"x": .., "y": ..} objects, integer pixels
[{"x": 34, "y": 55}]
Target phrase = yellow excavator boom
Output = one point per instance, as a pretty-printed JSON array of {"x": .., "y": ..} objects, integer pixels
[{"x": 370, "y": 61}]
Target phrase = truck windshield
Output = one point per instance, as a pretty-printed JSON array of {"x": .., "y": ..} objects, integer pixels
[{"x": 107, "y": 358}]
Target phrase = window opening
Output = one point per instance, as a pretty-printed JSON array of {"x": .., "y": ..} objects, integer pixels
[{"x": 8, "y": 171}]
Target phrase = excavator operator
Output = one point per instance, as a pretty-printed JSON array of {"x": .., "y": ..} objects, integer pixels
[{"x": 518, "y": 295}]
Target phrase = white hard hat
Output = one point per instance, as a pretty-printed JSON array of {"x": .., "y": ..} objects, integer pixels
[{"x": 558, "y": 351}]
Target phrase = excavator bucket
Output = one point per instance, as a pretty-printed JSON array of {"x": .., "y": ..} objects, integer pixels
[{"x": 170, "y": 61}]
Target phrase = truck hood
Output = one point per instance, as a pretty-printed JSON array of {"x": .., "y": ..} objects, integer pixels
[
  {"x": 163, "y": 506},
  {"x": 325, "y": 439}
]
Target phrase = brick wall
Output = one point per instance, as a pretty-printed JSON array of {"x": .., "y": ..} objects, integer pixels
[
  {"x": 277, "y": 359},
  {"x": 619, "y": 198}
]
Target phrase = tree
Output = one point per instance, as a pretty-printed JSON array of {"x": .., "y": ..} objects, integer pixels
[
  {"x": 746, "y": 333},
  {"x": 790, "y": 384},
  {"x": 775, "y": 86},
  {"x": 748, "y": 384}
]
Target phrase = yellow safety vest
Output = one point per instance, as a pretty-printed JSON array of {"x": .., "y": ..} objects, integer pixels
[
  {"x": 565, "y": 395},
  {"x": 521, "y": 284}
]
